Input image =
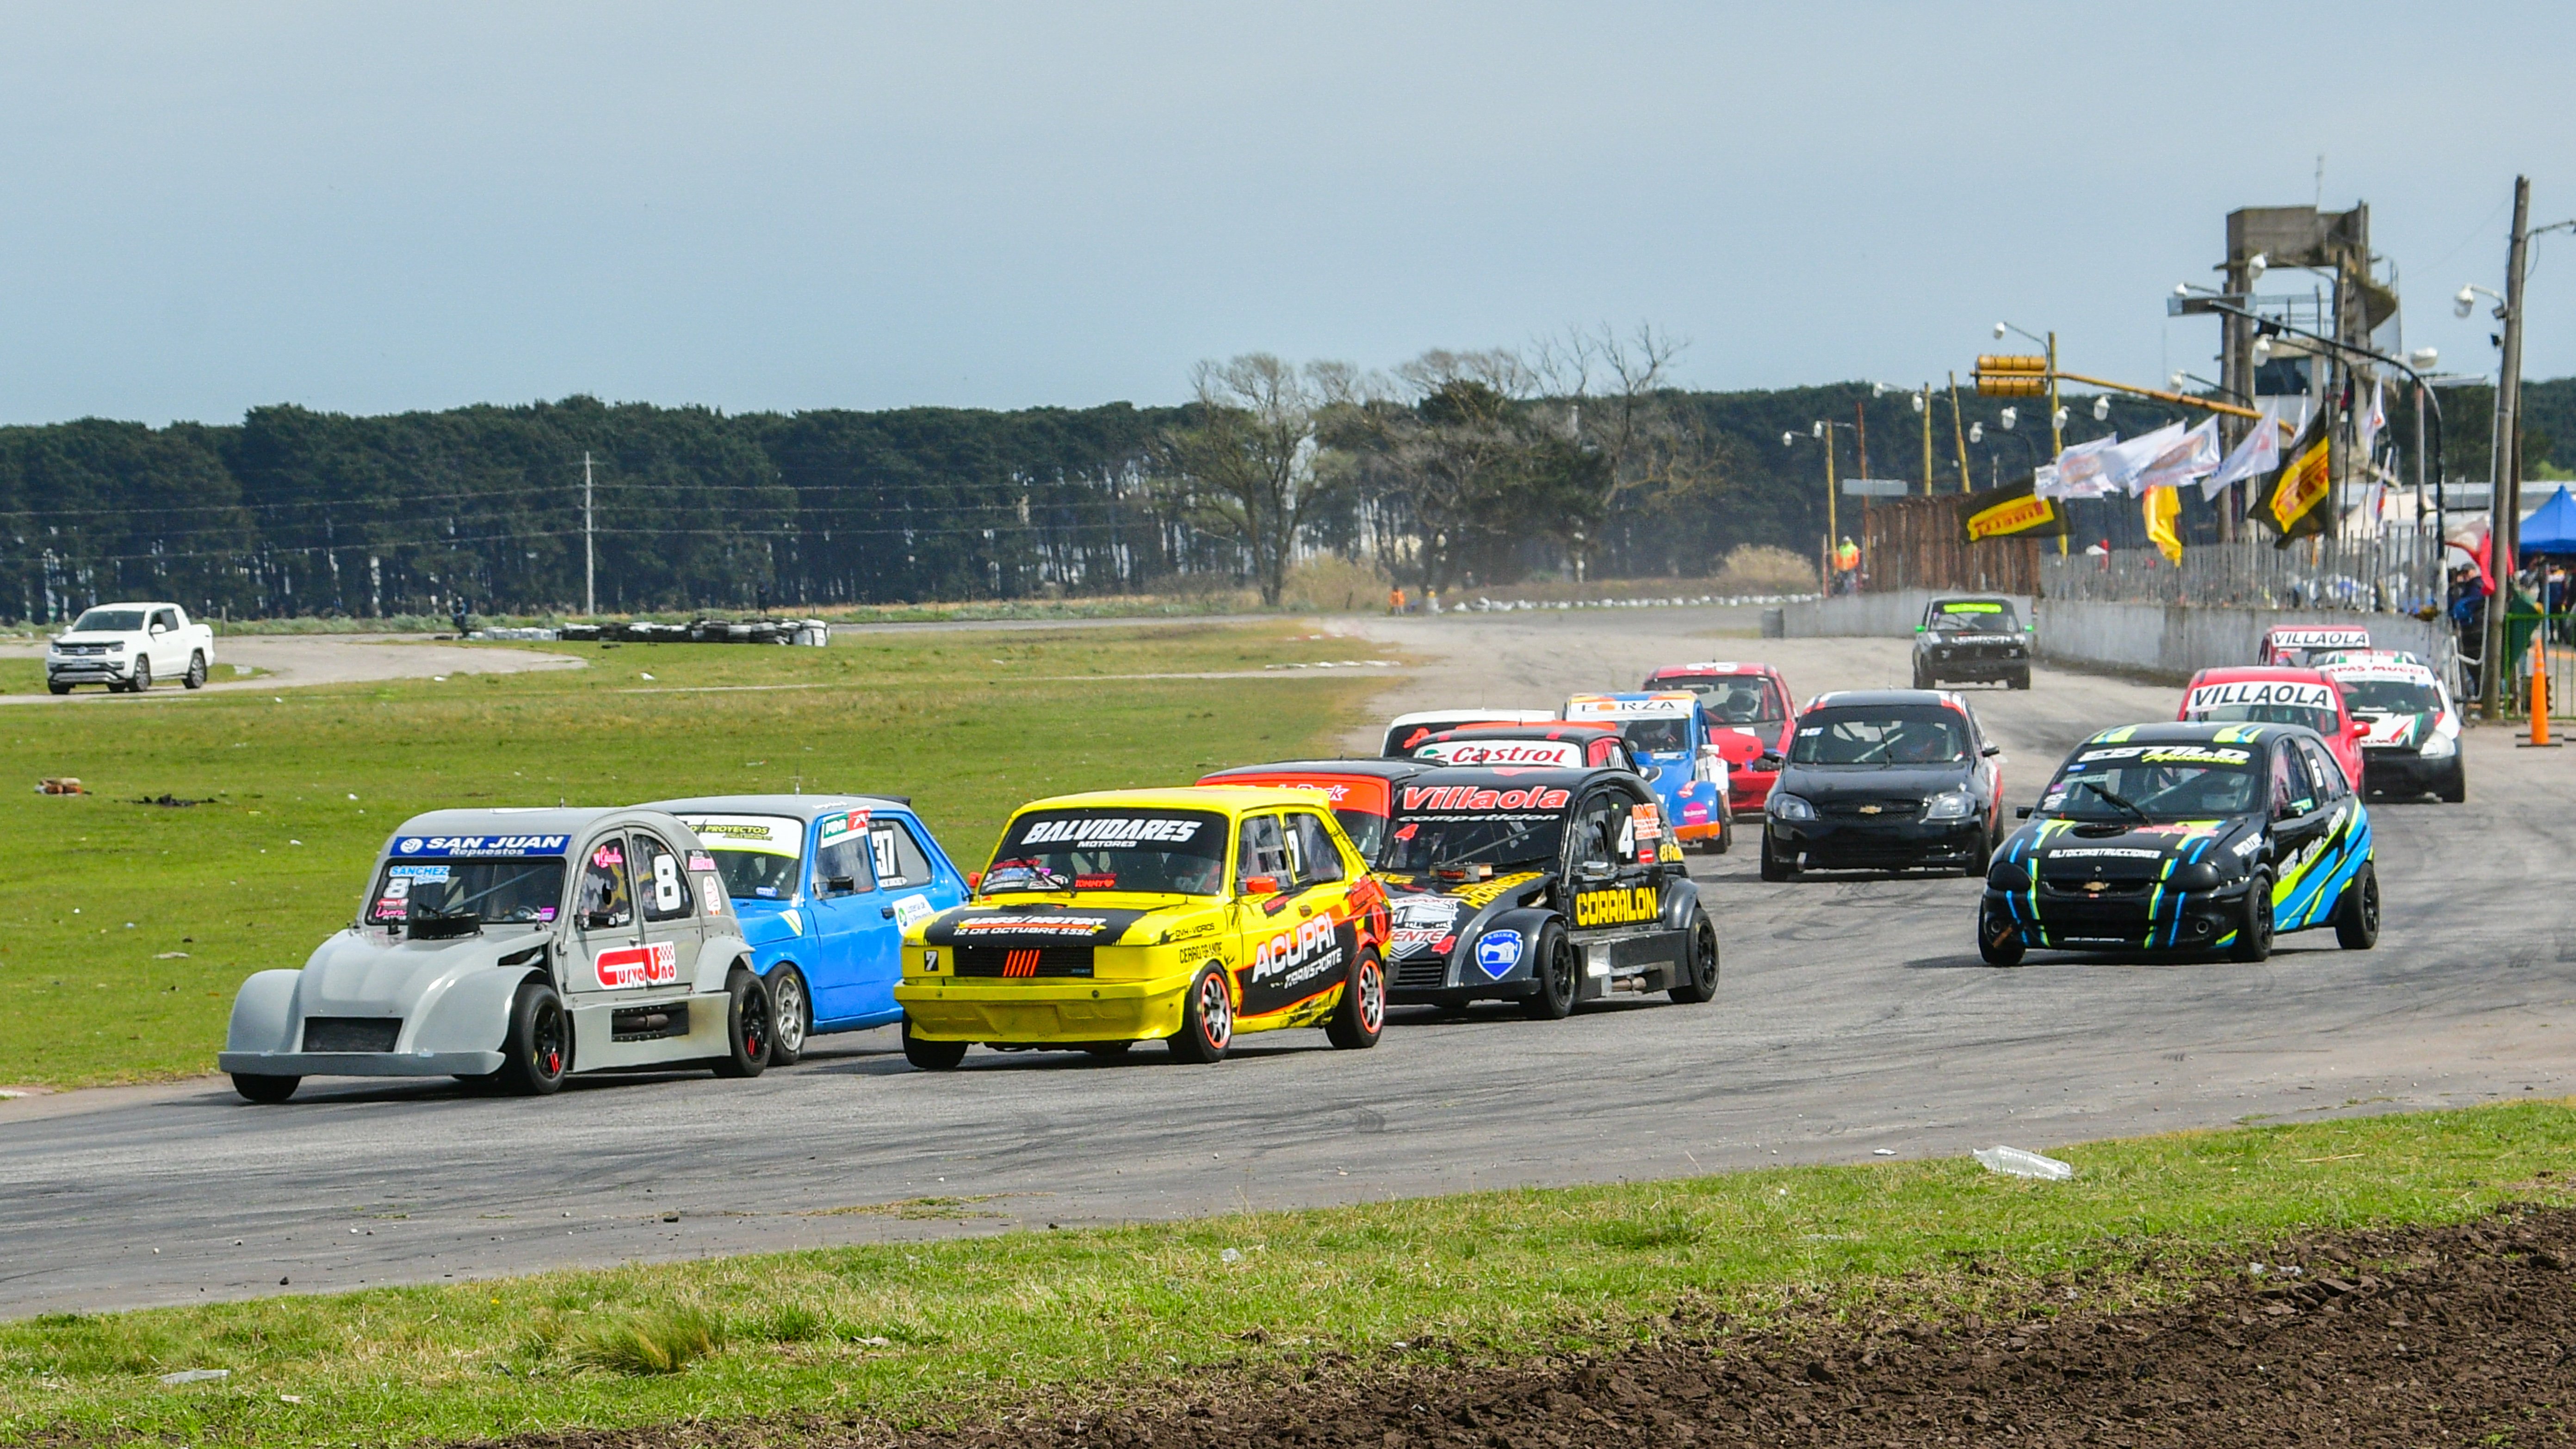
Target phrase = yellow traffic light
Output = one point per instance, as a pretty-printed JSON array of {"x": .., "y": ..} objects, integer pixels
[{"x": 2011, "y": 375}]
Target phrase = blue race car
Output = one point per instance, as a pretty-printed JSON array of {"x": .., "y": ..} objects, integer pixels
[
  {"x": 824, "y": 886},
  {"x": 1669, "y": 737}
]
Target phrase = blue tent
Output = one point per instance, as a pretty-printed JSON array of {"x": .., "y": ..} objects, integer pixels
[{"x": 2551, "y": 528}]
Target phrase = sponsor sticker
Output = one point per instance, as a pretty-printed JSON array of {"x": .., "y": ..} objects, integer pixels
[
  {"x": 1497, "y": 952},
  {"x": 2170, "y": 755},
  {"x": 486, "y": 847},
  {"x": 1631, "y": 706},
  {"x": 711, "y": 894},
  {"x": 655, "y": 963},
  {"x": 912, "y": 910},
  {"x": 700, "y": 860},
  {"x": 1622, "y": 906},
  {"x": 1545, "y": 754},
  {"x": 1084, "y": 832},
  {"x": 417, "y": 872},
  {"x": 1477, "y": 799},
  {"x": 841, "y": 826},
  {"x": 2115, "y": 852},
  {"x": 759, "y": 834},
  {"x": 2290, "y": 692},
  {"x": 1970, "y": 607},
  {"x": 1030, "y": 925},
  {"x": 2291, "y": 637},
  {"x": 1298, "y": 955}
]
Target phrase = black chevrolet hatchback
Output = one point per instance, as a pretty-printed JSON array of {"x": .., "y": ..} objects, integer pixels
[{"x": 1884, "y": 779}]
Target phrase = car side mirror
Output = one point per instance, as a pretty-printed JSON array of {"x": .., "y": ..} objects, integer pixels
[
  {"x": 1594, "y": 870},
  {"x": 1261, "y": 885},
  {"x": 2021, "y": 812},
  {"x": 158, "y": 630},
  {"x": 974, "y": 880},
  {"x": 1991, "y": 751},
  {"x": 840, "y": 885}
]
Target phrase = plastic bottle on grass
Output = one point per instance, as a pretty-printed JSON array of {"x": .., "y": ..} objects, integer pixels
[{"x": 2019, "y": 1163}]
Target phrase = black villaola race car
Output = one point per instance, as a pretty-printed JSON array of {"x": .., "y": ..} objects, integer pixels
[
  {"x": 1545, "y": 886},
  {"x": 2185, "y": 837}
]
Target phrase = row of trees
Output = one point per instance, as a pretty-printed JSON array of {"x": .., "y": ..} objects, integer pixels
[{"x": 1575, "y": 455}]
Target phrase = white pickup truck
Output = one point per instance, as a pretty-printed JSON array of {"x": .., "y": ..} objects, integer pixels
[{"x": 128, "y": 646}]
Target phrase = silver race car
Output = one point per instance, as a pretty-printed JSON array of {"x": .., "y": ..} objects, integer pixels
[{"x": 515, "y": 947}]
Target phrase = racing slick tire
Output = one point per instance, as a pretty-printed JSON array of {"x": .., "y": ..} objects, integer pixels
[
  {"x": 931, "y": 1056},
  {"x": 1699, "y": 974},
  {"x": 1553, "y": 971},
  {"x": 1999, "y": 943},
  {"x": 2357, "y": 914},
  {"x": 1207, "y": 1021},
  {"x": 142, "y": 679},
  {"x": 266, "y": 1090},
  {"x": 2453, "y": 789},
  {"x": 536, "y": 1052},
  {"x": 751, "y": 1027},
  {"x": 1361, "y": 1018},
  {"x": 791, "y": 1009},
  {"x": 1773, "y": 867},
  {"x": 195, "y": 678},
  {"x": 2254, "y": 930},
  {"x": 1922, "y": 678},
  {"x": 2020, "y": 681}
]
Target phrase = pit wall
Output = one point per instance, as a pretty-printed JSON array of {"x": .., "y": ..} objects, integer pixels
[{"x": 2165, "y": 641}]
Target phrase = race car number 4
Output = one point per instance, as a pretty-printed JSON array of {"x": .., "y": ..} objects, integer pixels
[{"x": 656, "y": 963}]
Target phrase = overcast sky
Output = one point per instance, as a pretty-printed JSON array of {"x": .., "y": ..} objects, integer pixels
[{"x": 205, "y": 208}]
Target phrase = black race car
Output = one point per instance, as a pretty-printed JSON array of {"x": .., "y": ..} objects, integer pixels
[
  {"x": 1545, "y": 886},
  {"x": 1971, "y": 641},
  {"x": 2185, "y": 837},
  {"x": 1884, "y": 779}
]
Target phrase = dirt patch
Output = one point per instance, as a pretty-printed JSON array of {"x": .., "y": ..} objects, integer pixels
[{"x": 2457, "y": 1335}]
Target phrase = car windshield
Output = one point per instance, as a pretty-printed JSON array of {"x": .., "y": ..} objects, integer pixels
[
  {"x": 1976, "y": 617},
  {"x": 109, "y": 621},
  {"x": 1429, "y": 842},
  {"x": 756, "y": 854},
  {"x": 2147, "y": 783},
  {"x": 1156, "y": 851},
  {"x": 1667, "y": 736},
  {"x": 1366, "y": 830},
  {"x": 1919, "y": 735},
  {"x": 424, "y": 895},
  {"x": 2391, "y": 696},
  {"x": 1732, "y": 699}
]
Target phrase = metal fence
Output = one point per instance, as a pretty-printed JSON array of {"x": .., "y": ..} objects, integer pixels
[{"x": 2399, "y": 571}]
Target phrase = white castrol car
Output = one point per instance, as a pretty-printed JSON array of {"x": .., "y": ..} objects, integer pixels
[{"x": 516, "y": 947}]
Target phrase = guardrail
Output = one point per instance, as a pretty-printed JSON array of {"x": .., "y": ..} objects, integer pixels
[{"x": 2398, "y": 571}]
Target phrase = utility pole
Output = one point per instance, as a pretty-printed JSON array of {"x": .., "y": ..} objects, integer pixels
[
  {"x": 2056, "y": 414},
  {"x": 589, "y": 564},
  {"x": 1833, "y": 524},
  {"x": 1959, "y": 436},
  {"x": 1860, "y": 432},
  {"x": 2504, "y": 491},
  {"x": 1923, "y": 405}
]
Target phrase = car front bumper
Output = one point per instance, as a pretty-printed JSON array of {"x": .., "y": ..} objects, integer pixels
[
  {"x": 1060, "y": 1010},
  {"x": 1975, "y": 668},
  {"x": 1892, "y": 845},
  {"x": 359, "y": 1064},
  {"x": 89, "y": 670},
  {"x": 2144, "y": 920},
  {"x": 2405, "y": 770}
]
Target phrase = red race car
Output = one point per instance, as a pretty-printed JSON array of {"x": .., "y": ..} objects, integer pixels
[
  {"x": 1746, "y": 708},
  {"x": 2272, "y": 694}
]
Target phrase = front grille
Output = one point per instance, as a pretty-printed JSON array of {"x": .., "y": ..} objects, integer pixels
[
  {"x": 351, "y": 1033},
  {"x": 648, "y": 1023},
  {"x": 1427, "y": 972},
  {"x": 1888, "y": 810},
  {"x": 2073, "y": 888},
  {"x": 1019, "y": 962}
]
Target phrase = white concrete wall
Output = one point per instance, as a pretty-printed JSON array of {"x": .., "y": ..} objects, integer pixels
[{"x": 1875, "y": 615}]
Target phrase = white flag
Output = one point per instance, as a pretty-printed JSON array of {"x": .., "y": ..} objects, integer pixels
[
  {"x": 2122, "y": 465},
  {"x": 2193, "y": 456},
  {"x": 2373, "y": 423},
  {"x": 2078, "y": 471},
  {"x": 2260, "y": 453}
]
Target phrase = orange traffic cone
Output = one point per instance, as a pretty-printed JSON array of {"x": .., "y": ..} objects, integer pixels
[{"x": 2540, "y": 694}]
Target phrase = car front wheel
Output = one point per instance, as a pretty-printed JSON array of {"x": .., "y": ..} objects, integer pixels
[
  {"x": 793, "y": 1007},
  {"x": 537, "y": 1053},
  {"x": 266, "y": 1090},
  {"x": 2254, "y": 929},
  {"x": 195, "y": 678},
  {"x": 751, "y": 1028},
  {"x": 1207, "y": 1021},
  {"x": 142, "y": 675},
  {"x": 1552, "y": 972},
  {"x": 1999, "y": 941},
  {"x": 931, "y": 1056}
]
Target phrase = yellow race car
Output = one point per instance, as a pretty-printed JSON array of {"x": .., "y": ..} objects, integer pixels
[{"x": 1188, "y": 916}]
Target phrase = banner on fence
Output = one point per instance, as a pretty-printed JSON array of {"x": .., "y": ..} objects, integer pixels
[{"x": 2008, "y": 512}]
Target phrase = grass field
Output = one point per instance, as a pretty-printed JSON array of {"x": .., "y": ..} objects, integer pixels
[
  {"x": 912, "y": 1331},
  {"x": 125, "y": 926}
]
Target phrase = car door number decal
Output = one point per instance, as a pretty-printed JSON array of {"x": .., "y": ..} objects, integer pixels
[
  {"x": 655, "y": 963},
  {"x": 668, "y": 894}
]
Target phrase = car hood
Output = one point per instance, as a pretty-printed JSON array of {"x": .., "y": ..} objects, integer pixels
[
  {"x": 1429, "y": 916},
  {"x": 372, "y": 973},
  {"x": 1862, "y": 782},
  {"x": 93, "y": 636},
  {"x": 1092, "y": 919},
  {"x": 2398, "y": 731},
  {"x": 2109, "y": 851}
]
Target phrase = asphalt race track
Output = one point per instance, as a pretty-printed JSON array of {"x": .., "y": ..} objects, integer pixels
[{"x": 1853, "y": 1016}]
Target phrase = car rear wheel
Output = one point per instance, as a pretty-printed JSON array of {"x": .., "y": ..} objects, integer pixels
[
  {"x": 1699, "y": 973},
  {"x": 793, "y": 1008},
  {"x": 2357, "y": 915},
  {"x": 537, "y": 1052},
  {"x": 1999, "y": 941},
  {"x": 751, "y": 1027},
  {"x": 265, "y": 1090},
  {"x": 931, "y": 1056},
  {"x": 1553, "y": 972},
  {"x": 1361, "y": 1017},
  {"x": 1207, "y": 1021},
  {"x": 2254, "y": 928},
  {"x": 195, "y": 678}
]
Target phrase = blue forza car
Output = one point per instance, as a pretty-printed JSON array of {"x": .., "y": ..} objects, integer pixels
[
  {"x": 1669, "y": 737},
  {"x": 824, "y": 886}
]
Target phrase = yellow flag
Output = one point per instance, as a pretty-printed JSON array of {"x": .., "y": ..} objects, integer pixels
[{"x": 2163, "y": 508}]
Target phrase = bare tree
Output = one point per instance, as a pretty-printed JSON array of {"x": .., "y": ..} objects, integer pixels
[
  {"x": 1247, "y": 468},
  {"x": 1619, "y": 409}
]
